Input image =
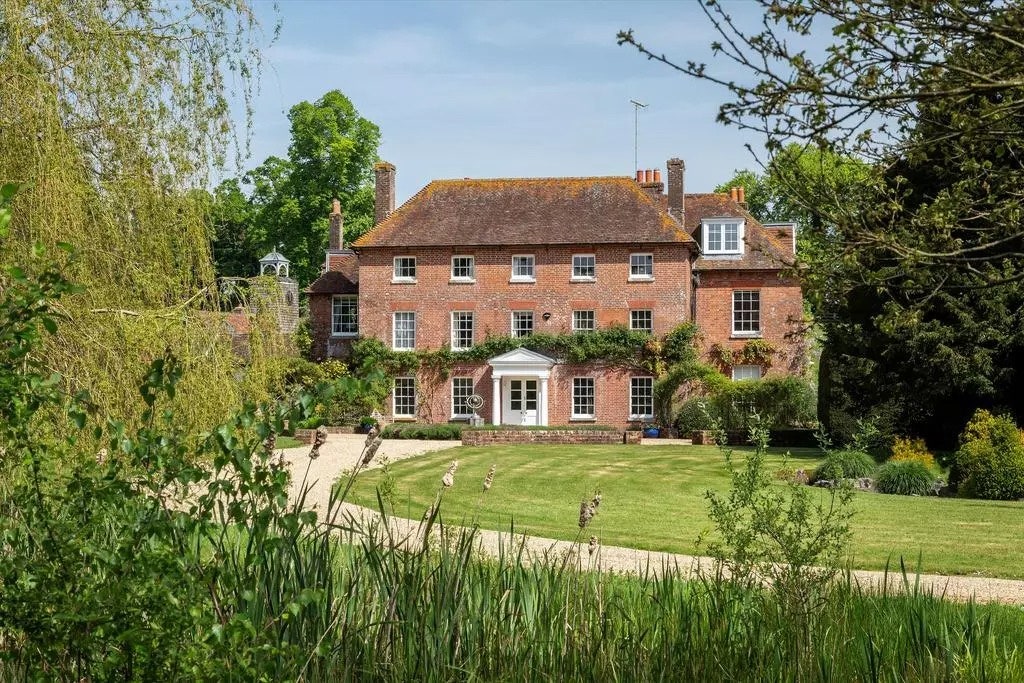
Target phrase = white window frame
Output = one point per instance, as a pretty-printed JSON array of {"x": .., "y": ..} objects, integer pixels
[
  {"x": 394, "y": 331},
  {"x": 746, "y": 333},
  {"x": 395, "y": 269},
  {"x": 576, "y": 329},
  {"x": 394, "y": 397},
  {"x": 461, "y": 410},
  {"x": 338, "y": 315},
  {"x": 632, "y": 320},
  {"x": 455, "y": 343},
  {"x": 634, "y": 384},
  {"x": 718, "y": 225},
  {"x": 532, "y": 277},
  {"x": 744, "y": 373},
  {"x": 512, "y": 323},
  {"x": 648, "y": 256},
  {"x": 472, "y": 269},
  {"x": 576, "y": 277},
  {"x": 578, "y": 384}
]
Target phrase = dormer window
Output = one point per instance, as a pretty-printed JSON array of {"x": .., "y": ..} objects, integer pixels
[{"x": 723, "y": 236}]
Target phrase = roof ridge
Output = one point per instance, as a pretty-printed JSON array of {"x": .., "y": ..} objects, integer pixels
[{"x": 528, "y": 179}]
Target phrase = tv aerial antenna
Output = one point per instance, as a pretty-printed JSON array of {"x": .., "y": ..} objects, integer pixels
[{"x": 637, "y": 106}]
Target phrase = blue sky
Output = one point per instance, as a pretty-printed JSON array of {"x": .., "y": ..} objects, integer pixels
[{"x": 503, "y": 89}]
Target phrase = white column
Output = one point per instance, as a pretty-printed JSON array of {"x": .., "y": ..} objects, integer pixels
[
  {"x": 496, "y": 400},
  {"x": 543, "y": 401}
]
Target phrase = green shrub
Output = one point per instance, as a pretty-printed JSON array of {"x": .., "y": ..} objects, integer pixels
[
  {"x": 414, "y": 430},
  {"x": 845, "y": 465},
  {"x": 990, "y": 462},
  {"x": 907, "y": 449},
  {"x": 694, "y": 415},
  {"x": 905, "y": 478}
]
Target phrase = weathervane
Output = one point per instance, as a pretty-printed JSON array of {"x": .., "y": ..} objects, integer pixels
[{"x": 637, "y": 106}]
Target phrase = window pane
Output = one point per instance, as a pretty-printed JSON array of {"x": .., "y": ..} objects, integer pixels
[
  {"x": 405, "y": 330},
  {"x": 583, "y": 321},
  {"x": 583, "y": 266},
  {"x": 345, "y": 315},
  {"x": 744, "y": 372},
  {"x": 405, "y": 397},
  {"x": 732, "y": 237},
  {"x": 515, "y": 394},
  {"x": 462, "y": 388},
  {"x": 641, "y": 321},
  {"x": 405, "y": 267},
  {"x": 462, "y": 330},
  {"x": 746, "y": 312},
  {"x": 463, "y": 267},
  {"x": 522, "y": 323},
  {"x": 583, "y": 397},
  {"x": 714, "y": 236},
  {"x": 641, "y": 265},
  {"x": 641, "y": 397},
  {"x": 522, "y": 267},
  {"x": 530, "y": 393}
]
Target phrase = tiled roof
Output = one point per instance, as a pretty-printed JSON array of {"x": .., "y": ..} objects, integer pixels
[
  {"x": 342, "y": 278},
  {"x": 763, "y": 250},
  {"x": 527, "y": 211}
]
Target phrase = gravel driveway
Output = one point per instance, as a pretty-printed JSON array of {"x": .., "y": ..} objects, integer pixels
[{"x": 341, "y": 451}]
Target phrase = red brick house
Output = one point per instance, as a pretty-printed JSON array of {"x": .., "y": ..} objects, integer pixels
[{"x": 463, "y": 260}]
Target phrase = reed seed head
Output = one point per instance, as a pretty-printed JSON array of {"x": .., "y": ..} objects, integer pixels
[
  {"x": 370, "y": 436},
  {"x": 370, "y": 451},
  {"x": 489, "y": 479},
  {"x": 270, "y": 444},
  {"x": 596, "y": 502},
  {"x": 320, "y": 438},
  {"x": 586, "y": 513},
  {"x": 448, "y": 480},
  {"x": 592, "y": 547}
]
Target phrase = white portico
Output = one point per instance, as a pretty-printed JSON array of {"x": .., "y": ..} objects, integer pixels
[{"x": 520, "y": 387}]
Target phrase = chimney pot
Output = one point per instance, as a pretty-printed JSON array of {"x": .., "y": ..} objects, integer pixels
[
  {"x": 639, "y": 176},
  {"x": 657, "y": 175},
  {"x": 742, "y": 192},
  {"x": 648, "y": 176},
  {"x": 732, "y": 193}
]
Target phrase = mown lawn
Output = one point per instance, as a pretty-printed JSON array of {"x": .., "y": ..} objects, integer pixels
[{"x": 653, "y": 498}]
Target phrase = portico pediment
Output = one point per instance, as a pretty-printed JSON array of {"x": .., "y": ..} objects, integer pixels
[{"x": 521, "y": 362}]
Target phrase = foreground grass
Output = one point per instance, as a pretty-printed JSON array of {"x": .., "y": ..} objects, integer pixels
[{"x": 654, "y": 500}]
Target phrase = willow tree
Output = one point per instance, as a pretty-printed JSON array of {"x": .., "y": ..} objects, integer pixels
[{"x": 110, "y": 112}]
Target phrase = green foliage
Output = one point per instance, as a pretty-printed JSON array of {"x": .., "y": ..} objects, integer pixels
[
  {"x": 412, "y": 430},
  {"x": 112, "y": 112},
  {"x": 990, "y": 462},
  {"x": 913, "y": 450},
  {"x": 332, "y": 153},
  {"x": 904, "y": 478},
  {"x": 779, "y": 402},
  {"x": 785, "y": 535},
  {"x": 845, "y": 465}
]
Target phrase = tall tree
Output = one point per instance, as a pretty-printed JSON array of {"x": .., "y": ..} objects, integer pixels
[{"x": 331, "y": 155}]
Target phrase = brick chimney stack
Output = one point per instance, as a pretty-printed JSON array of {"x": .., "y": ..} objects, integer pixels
[
  {"x": 337, "y": 232},
  {"x": 676, "y": 171},
  {"x": 384, "y": 201},
  {"x": 650, "y": 181}
]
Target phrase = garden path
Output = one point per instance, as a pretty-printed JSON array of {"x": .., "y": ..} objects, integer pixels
[{"x": 341, "y": 451}]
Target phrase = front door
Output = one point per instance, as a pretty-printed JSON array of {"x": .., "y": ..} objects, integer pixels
[{"x": 520, "y": 402}]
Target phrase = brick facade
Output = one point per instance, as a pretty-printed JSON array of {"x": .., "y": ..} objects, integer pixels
[
  {"x": 553, "y": 220},
  {"x": 781, "y": 314}
]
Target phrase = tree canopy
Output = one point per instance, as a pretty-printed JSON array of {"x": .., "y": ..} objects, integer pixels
[
  {"x": 332, "y": 153},
  {"x": 112, "y": 112}
]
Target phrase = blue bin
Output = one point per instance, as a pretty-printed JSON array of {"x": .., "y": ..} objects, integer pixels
[{"x": 652, "y": 432}]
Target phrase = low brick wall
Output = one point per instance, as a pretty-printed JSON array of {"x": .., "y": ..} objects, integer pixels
[
  {"x": 484, "y": 437},
  {"x": 306, "y": 435},
  {"x": 707, "y": 438}
]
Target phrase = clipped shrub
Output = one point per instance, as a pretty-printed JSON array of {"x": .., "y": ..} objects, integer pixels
[
  {"x": 911, "y": 450},
  {"x": 990, "y": 462},
  {"x": 845, "y": 465},
  {"x": 904, "y": 478},
  {"x": 693, "y": 416},
  {"x": 415, "y": 430}
]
